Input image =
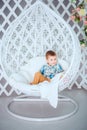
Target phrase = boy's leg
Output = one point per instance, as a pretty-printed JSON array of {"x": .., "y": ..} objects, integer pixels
[{"x": 39, "y": 78}]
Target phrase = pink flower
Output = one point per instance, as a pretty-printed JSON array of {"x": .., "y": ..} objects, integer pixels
[
  {"x": 72, "y": 17},
  {"x": 77, "y": 9},
  {"x": 85, "y": 22},
  {"x": 81, "y": 18},
  {"x": 73, "y": 10},
  {"x": 85, "y": 17}
]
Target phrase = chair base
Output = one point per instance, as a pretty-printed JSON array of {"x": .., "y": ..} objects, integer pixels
[{"x": 37, "y": 109}]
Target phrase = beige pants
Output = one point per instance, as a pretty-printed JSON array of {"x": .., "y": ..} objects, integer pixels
[{"x": 39, "y": 78}]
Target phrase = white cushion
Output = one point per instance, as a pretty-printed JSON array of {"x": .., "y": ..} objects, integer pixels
[
  {"x": 18, "y": 78},
  {"x": 64, "y": 64},
  {"x": 27, "y": 75},
  {"x": 34, "y": 65}
]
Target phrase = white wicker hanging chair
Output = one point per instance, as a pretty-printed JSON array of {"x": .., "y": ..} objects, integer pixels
[{"x": 37, "y": 30}]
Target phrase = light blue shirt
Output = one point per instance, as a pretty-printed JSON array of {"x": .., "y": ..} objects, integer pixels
[{"x": 50, "y": 71}]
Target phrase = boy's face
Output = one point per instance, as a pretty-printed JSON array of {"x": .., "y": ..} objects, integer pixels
[{"x": 52, "y": 60}]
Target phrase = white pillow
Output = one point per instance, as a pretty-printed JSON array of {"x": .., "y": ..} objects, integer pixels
[
  {"x": 34, "y": 65},
  {"x": 18, "y": 78},
  {"x": 27, "y": 75},
  {"x": 64, "y": 64}
]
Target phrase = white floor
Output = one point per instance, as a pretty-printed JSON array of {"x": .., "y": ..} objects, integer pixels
[{"x": 75, "y": 122}]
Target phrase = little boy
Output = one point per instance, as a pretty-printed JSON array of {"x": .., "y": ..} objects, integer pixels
[{"x": 48, "y": 71}]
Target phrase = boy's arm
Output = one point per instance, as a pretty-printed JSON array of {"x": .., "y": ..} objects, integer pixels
[
  {"x": 42, "y": 70},
  {"x": 60, "y": 69}
]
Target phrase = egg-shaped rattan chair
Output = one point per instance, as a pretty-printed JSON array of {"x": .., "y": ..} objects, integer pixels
[{"x": 23, "y": 47}]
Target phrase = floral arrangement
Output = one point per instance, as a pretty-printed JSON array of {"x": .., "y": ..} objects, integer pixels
[{"x": 79, "y": 14}]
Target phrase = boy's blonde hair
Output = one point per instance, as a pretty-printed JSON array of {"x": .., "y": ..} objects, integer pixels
[{"x": 50, "y": 53}]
